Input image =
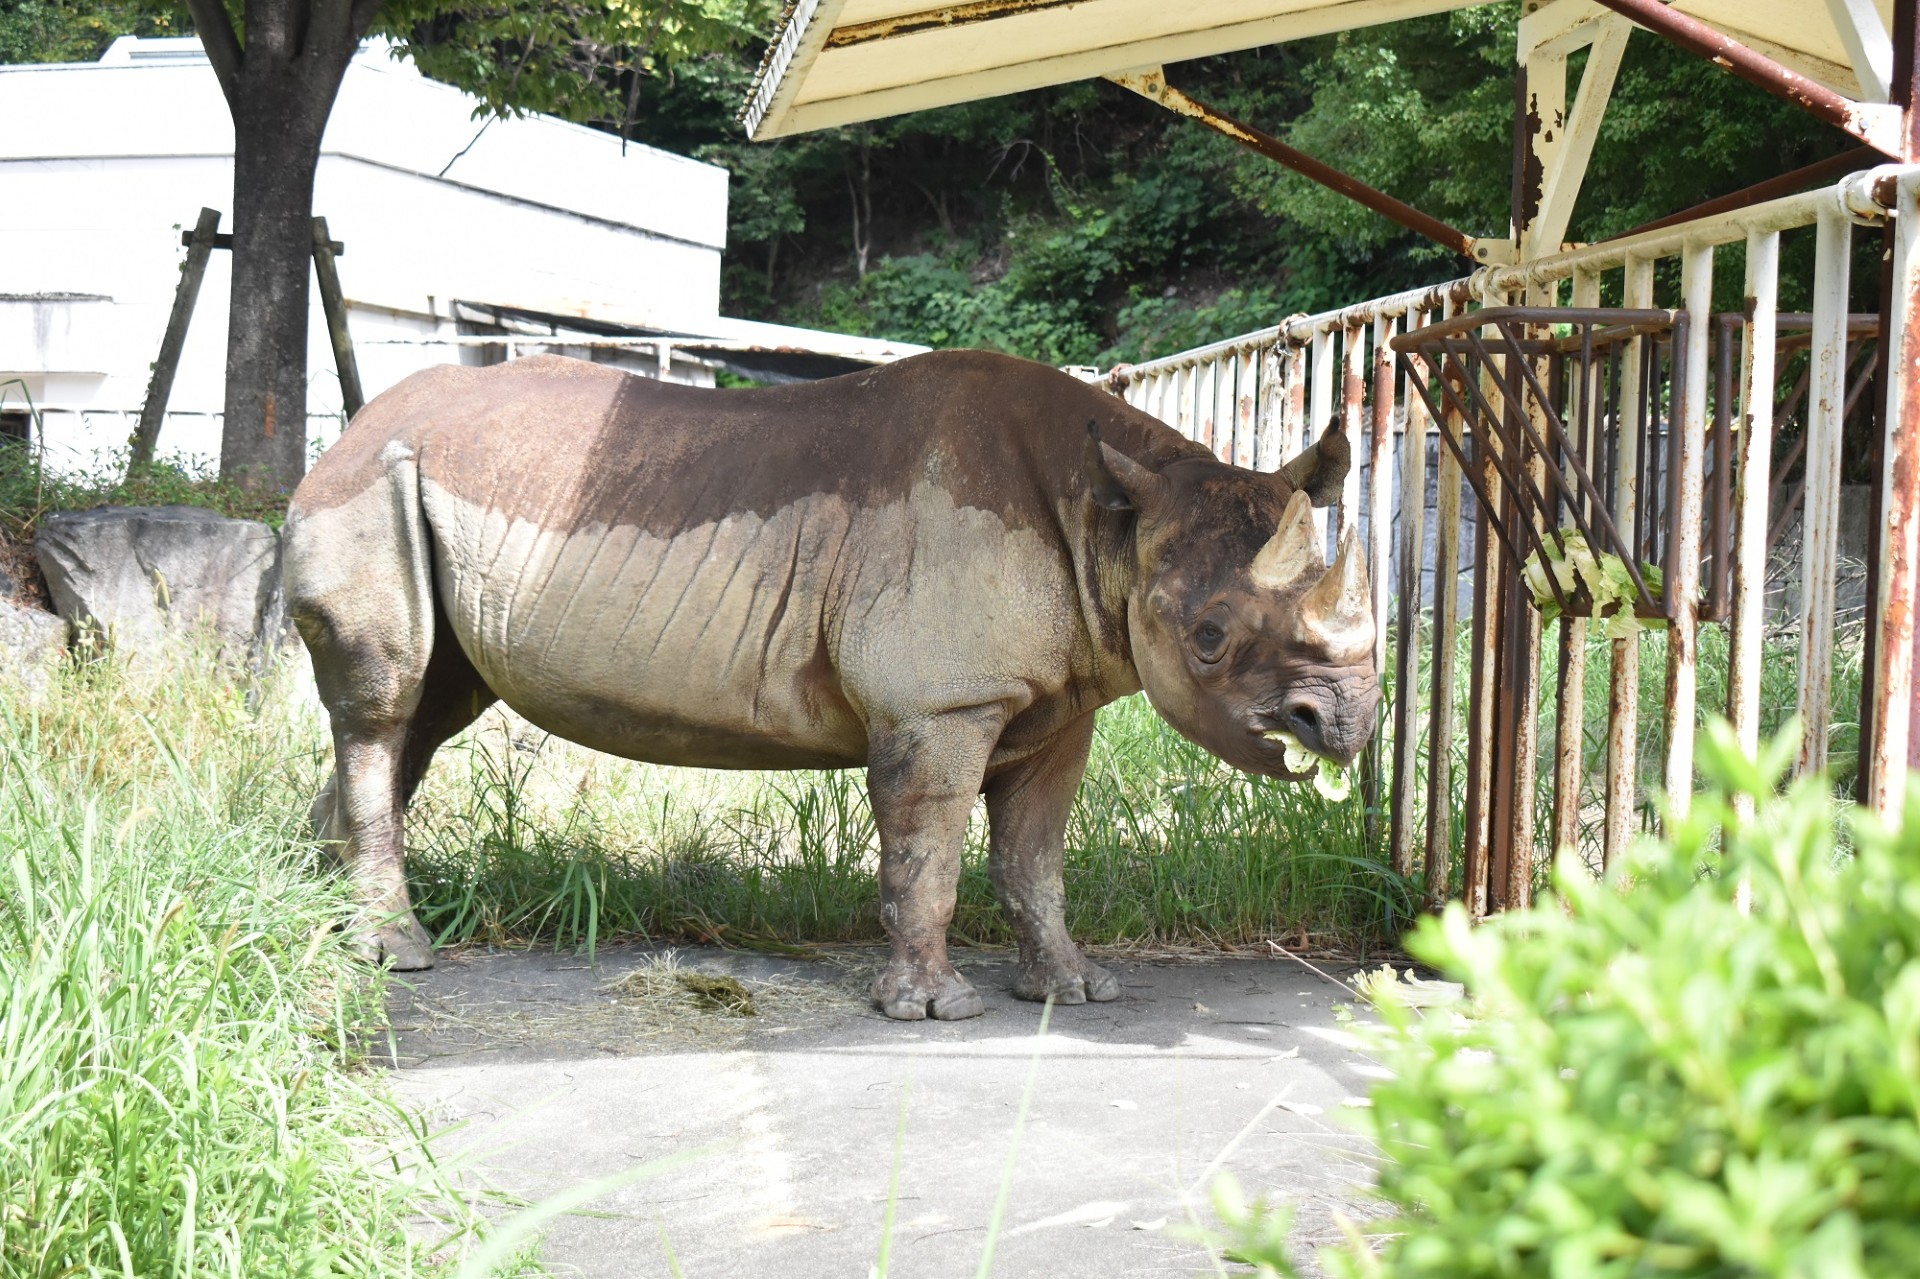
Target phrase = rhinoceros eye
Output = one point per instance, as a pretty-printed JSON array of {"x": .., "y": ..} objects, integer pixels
[{"x": 1208, "y": 640}]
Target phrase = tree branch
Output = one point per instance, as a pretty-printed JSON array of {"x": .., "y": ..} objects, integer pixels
[{"x": 215, "y": 29}]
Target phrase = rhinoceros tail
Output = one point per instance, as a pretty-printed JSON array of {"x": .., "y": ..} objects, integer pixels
[{"x": 359, "y": 580}]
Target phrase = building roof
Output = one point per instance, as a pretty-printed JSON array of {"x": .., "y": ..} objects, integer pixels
[{"x": 836, "y": 62}]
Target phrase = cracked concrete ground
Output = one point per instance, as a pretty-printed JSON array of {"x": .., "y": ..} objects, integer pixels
[{"x": 784, "y": 1125}]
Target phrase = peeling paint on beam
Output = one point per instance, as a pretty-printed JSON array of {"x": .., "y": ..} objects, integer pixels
[{"x": 951, "y": 15}]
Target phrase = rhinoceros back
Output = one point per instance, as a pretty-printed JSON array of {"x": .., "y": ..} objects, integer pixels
[{"x": 729, "y": 579}]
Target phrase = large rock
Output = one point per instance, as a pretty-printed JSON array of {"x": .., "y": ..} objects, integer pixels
[
  {"x": 141, "y": 574},
  {"x": 30, "y": 643}
]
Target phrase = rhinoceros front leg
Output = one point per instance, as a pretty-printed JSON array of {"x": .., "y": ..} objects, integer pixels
[
  {"x": 1027, "y": 809},
  {"x": 923, "y": 778}
]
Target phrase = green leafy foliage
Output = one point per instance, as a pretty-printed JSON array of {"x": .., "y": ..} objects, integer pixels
[{"x": 1706, "y": 1064}]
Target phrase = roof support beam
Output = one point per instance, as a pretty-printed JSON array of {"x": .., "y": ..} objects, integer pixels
[
  {"x": 1877, "y": 125},
  {"x": 1869, "y": 47},
  {"x": 1563, "y": 144},
  {"x": 1153, "y": 86}
]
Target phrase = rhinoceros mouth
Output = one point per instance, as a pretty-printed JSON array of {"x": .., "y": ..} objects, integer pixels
[{"x": 1298, "y": 764}]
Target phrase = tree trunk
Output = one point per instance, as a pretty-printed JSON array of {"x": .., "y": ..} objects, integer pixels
[{"x": 280, "y": 109}]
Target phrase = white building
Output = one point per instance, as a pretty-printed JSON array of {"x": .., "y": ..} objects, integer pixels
[{"x": 460, "y": 233}]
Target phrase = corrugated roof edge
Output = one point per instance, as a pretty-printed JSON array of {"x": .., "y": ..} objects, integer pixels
[{"x": 774, "y": 63}]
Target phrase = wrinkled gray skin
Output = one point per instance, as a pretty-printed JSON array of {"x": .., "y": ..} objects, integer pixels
[{"x": 937, "y": 570}]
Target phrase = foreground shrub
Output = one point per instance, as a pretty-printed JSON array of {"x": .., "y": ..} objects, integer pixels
[
  {"x": 176, "y": 1007},
  {"x": 1649, "y": 1080}
]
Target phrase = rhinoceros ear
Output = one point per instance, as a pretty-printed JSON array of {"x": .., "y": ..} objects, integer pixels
[
  {"x": 1118, "y": 482},
  {"x": 1321, "y": 471},
  {"x": 1288, "y": 559},
  {"x": 1337, "y": 611}
]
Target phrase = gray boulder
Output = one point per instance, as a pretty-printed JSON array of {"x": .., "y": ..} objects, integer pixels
[
  {"x": 143, "y": 574},
  {"x": 30, "y": 643}
]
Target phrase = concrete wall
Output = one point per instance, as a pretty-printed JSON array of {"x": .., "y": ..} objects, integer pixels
[{"x": 102, "y": 164}]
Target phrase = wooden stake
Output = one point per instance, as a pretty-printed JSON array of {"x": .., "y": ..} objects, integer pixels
[{"x": 146, "y": 436}]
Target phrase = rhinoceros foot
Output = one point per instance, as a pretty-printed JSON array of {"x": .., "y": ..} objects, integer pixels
[
  {"x": 906, "y": 993},
  {"x": 1066, "y": 982},
  {"x": 400, "y": 944}
]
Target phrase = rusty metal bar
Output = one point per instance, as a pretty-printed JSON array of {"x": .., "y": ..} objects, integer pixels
[
  {"x": 1687, "y": 435},
  {"x": 1623, "y": 694},
  {"x": 1153, "y": 86},
  {"x": 1245, "y": 420},
  {"x": 1186, "y": 389},
  {"x": 1353, "y": 391},
  {"x": 1532, "y": 416},
  {"x": 1406, "y": 670},
  {"x": 1898, "y": 576},
  {"x": 1820, "y": 516},
  {"x": 1380, "y": 482},
  {"x": 1203, "y": 401},
  {"x": 1276, "y": 366},
  {"x": 1819, "y": 173},
  {"x": 1225, "y": 391},
  {"x": 1858, "y": 119},
  {"x": 1757, "y": 373},
  {"x": 1570, "y": 738},
  {"x": 1446, "y": 596}
]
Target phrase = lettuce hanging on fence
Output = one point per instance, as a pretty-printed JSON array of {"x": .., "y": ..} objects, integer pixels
[{"x": 1608, "y": 581}]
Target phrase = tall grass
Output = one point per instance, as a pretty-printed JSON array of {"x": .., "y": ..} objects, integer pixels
[
  {"x": 517, "y": 834},
  {"x": 177, "y": 1011}
]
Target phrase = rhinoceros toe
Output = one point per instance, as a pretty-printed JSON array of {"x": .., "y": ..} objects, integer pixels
[
  {"x": 401, "y": 944},
  {"x": 905, "y": 994},
  {"x": 1065, "y": 983}
]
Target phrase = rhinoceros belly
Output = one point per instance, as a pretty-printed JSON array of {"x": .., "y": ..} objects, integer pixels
[{"x": 703, "y": 647}]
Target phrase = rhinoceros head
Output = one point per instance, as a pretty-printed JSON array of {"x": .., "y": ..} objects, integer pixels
[{"x": 1239, "y": 629}]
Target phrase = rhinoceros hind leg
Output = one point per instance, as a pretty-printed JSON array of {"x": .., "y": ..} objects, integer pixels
[
  {"x": 923, "y": 778},
  {"x": 1027, "y": 809}
]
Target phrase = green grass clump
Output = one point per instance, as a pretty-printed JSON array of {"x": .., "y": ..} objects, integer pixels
[
  {"x": 517, "y": 834},
  {"x": 1707, "y": 1064},
  {"x": 177, "y": 1009}
]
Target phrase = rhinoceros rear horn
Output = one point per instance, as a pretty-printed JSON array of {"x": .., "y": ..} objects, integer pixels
[
  {"x": 1118, "y": 482},
  {"x": 1337, "y": 611},
  {"x": 1321, "y": 471},
  {"x": 1289, "y": 559}
]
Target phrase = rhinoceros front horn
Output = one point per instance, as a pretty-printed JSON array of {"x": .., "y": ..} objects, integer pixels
[
  {"x": 1337, "y": 611},
  {"x": 1288, "y": 559}
]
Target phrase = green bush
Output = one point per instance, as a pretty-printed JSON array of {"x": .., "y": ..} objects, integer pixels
[{"x": 1650, "y": 1079}]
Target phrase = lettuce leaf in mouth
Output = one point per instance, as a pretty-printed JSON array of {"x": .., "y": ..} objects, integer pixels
[{"x": 1332, "y": 781}]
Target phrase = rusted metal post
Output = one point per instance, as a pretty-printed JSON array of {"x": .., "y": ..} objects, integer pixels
[
  {"x": 1353, "y": 411},
  {"x": 146, "y": 435},
  {"x": 334, "y": 307},
  {"x": 1185, "y": 390},
  {"x": 1276, "y": 367},
  {"x": 1205, "y": 375},
  {"x": 1820, "y": 513},
  {"x": 1688, "y": 432},
  {"x": 1570, "y": 738},
  {"x": 1406, "y": 669},
  {"x": 1754, "y": 454},
  {"x": 1295, "y": 423},
  {"x": 1894, "y": 688},
  {"x": 1623, "y": 694},
  {"x": 1446, "y": 636},
  {"x": 1246, "y": 401},
  {"x": 1380, "y": 483}
]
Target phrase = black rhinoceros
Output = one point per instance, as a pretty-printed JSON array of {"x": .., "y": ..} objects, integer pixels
[{"x": 939, "y": 570}]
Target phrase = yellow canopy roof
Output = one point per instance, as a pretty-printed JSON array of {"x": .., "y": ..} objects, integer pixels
[{"x": 843, "y": 61}]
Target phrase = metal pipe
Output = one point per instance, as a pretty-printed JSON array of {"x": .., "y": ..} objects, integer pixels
[
  {"x": 1899, "y": 563},
  {"x": 1859, "y": 119},
  {"x": 1688, "y": 430},
  {"x": 1755, "y": 452},
  {"x": 1820, "y": 172},
  {"x": 1153, "y": 86},
  {"x": 1820, "y": 516}
]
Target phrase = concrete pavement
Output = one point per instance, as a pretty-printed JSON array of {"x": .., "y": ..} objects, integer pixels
[{"x": 785, "y": 1123}]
